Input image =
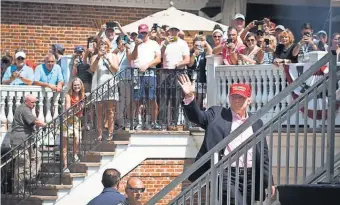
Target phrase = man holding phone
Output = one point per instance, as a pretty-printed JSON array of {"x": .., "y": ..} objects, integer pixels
[
  {"x": 110, "y": 33},
  {"x": 146, "y": 54},
  {"x": 306, "y": 44},
  {"x": 230, "y": 47}
]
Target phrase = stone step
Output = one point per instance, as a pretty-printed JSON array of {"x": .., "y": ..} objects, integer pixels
[
  {"x": 51, "y": 189},
  {"x": 31, "y": 200},
  {"x": 96, "y": 156},
  {"x": 66, "y": 178}
]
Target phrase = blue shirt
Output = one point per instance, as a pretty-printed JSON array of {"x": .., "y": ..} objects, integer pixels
[
  {"x": 109, "y": 196},
  {"x": 53, "y": 77},
  {"x": 26, "y": 72}
]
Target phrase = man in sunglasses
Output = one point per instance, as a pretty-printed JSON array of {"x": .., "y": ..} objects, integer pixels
[
  {"x": 134, "y": 189},
  {"x": 19, "y": 73}
]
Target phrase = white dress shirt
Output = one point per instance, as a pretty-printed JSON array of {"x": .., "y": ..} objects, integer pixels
[{"x": 236, "y": 122}]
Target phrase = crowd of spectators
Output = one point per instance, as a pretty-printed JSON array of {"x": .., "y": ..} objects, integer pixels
[{"x": 163, "y": 46}]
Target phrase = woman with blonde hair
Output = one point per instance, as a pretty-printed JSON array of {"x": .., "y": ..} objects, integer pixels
[
  {"x": 284, "y": 51},
  {"x": 104, "y": 65},
  {"x": 72, "y": 125}
]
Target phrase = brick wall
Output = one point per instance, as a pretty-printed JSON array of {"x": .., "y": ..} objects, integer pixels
[
  {"x": 156, "y": 174},
  {"x": 35, "y": 26}
]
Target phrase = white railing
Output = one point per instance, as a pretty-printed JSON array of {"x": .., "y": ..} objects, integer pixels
[
  {"x": 266, "y": 81},
  {"x": 12, "y": 96}
]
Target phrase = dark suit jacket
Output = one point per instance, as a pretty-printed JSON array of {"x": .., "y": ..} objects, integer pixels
[{"x": 217, "y": 122}]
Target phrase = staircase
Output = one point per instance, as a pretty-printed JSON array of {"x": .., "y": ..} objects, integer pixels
[
  {"x": 312, "y": 158},
  {"x": 51, "y": 182}
]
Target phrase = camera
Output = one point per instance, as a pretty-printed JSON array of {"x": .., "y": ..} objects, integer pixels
[
  {"x": 257, "y": 23},
  {"x": 200, "y": 33},
  {"x": 111, "y": 24},
  {"x": 125, "y": 39},
  {"x": 307, "y": 34},
  {"x": 229, "y": 40},
  {"x": 266, "y": 41},
  {"x": 154, "y": 27}
]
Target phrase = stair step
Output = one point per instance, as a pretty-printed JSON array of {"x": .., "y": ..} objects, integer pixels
[
  {"x": 67, "y": 178},
  {"x": 94, "y": 156},
  {"x": 51, "y": 189},
  {"x": 31, "y": 200}
]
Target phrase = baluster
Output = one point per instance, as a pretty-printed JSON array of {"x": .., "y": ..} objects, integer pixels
[
  {"x": 41, "y": 107},
  {"x": 245, "y": 74},
  {"x": 282, "y": 79},
  {"x": 253, "y": 91},
  {"x": 277, "y": 87},
  {"x": 229, "y": 78},
  {"x": 259, "y": 91},
  {"x": 219, "y": 88},
  {"x": 234, "y": 74},
  {"x": 271, "y": 88},
  {"x": 49, "y": 97},
  {"x": 34, "y": 111},
  {"x": 10, "y": 115},
  {"x": 224, "y": 97},
  {"x": 3, "y": 119},
  {"x": 55, "y": 104},
  {"x": 264, "y": 86}
]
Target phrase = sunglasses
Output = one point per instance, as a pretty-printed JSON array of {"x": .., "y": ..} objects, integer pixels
[
  {"x": 20, "y": 58},
  {"x": 50, "y": 61},
  {"x": 217, "y": 36},
  {"x": 252, "y": 40},
  {"x": 137, "y": 189}
]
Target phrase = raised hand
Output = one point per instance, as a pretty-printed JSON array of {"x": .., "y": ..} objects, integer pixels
[{"x": 187, "y": 86}]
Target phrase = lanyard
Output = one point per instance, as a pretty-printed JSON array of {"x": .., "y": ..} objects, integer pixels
[{"x": 198, "y": 59}]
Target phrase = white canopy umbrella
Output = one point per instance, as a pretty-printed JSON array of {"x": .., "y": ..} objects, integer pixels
[{"x": 175, "y": 18}]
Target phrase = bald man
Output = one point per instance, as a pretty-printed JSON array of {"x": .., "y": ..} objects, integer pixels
[
  {"x": 134, "y": 189},
  {"x": 22, "y": 128}
]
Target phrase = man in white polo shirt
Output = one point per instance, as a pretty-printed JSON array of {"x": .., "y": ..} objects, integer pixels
[
  {"x": 146, "y": 55},
  {"x": 176, "y": 55}
]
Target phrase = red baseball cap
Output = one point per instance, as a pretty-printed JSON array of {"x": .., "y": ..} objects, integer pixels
[
  {"x": 240, "y": 89},
  {"x": 143, "y": 28}
]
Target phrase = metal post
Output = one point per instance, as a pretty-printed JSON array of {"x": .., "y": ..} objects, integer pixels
[
  {"x": 213, "y": 190},
  {"x": 61, "y": 158},
  {"x": 331, "y": 117}
]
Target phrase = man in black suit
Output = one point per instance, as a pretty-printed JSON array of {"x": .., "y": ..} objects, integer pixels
[{"x": 218, "y": 123}]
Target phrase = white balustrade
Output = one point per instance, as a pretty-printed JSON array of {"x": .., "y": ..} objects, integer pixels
[
  {"x": 12, "y": 96},
  {"x": 266, "y": 82}
]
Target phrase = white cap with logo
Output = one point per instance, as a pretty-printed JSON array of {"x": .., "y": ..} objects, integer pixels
[
  {"x": 20, "y": 54},
  {"x": 239, "y": 16}
]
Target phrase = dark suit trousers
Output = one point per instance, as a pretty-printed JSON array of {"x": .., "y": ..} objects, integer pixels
[{"x": 237, "y": 192}]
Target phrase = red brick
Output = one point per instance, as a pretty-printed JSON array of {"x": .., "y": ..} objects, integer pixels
[{"x": 44, "y": 24}]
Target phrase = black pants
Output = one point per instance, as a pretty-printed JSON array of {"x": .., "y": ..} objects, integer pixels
[
  {"x": 237, "y": 192},
  {"x": 170, "y": 93}
]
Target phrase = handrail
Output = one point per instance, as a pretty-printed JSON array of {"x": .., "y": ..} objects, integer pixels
[
  {"x": 277, "y": 99},
  {"x": 49, "y": 124}
]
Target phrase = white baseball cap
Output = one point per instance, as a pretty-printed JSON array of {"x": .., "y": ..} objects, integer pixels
[
  {"x": 20, "y": 54},
  {"x": 280, "y": 27},
  {"x": 239, "y": 16}
]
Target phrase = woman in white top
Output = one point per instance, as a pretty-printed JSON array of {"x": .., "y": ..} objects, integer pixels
[{"x": 105, "y": 65}]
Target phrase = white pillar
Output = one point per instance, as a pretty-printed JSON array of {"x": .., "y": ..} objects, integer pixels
[{"x": 211, "y": 81}]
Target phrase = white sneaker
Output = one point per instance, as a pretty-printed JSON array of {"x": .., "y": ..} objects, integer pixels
[{"x": 66, "y": 170}]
